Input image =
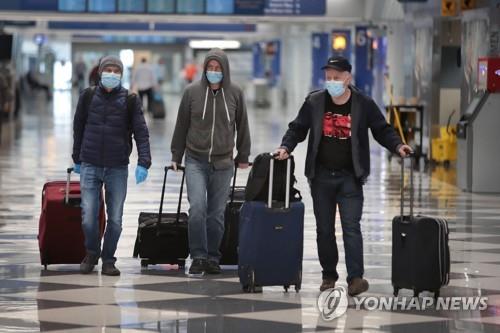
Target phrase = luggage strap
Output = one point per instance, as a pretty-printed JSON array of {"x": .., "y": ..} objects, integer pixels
[
  {"x": 163, "y": 194},
  {"x": 403, "y": 188}
]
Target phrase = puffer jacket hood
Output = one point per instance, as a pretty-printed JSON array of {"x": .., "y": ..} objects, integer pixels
[{"x": 221, "y": 57}]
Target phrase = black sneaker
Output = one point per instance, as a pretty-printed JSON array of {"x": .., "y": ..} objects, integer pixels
[
  {"x": 213, "y": 267},
  {"x": 109, "y": 268},
  {"x": 88, "y": 263},
  {"x": 198, "y": 266}
]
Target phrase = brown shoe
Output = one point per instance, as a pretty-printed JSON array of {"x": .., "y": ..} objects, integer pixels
[
  {"x": 357, "y": 286},
  {"x": 327, "y": 284}
]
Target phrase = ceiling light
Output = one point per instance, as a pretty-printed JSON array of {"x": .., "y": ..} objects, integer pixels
[{"x": 210, "y": 44}]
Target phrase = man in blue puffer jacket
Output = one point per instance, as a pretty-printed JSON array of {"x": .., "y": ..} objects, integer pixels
[{"x": 102, "y": 128}]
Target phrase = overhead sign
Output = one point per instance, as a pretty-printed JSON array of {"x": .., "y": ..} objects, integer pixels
[
  {"x": 295, "y": 7},
  {"x": 199, "y": 7},
  {"x": 249, "y": 7},
  {"x": 448, "y": 7}
]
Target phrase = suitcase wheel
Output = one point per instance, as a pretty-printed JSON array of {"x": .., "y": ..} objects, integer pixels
[
  {"x": 286, "y": 288},
  {"x": 144, "y": 263},
  {"x": 415, "y": 293},
  {"x": 45, "y": 267},
  {"x": 396, "y": 291},
  {"x": 436, "y": 295},
  {"x": 298, "y": 285},
  {"x": 250, "y": 288}
]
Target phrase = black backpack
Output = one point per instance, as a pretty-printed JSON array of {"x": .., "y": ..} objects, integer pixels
[
  {"x": 258, "y": 180},
  {"x": 89, "y": 93}
]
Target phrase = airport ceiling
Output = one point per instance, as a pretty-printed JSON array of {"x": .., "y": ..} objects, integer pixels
[{"x": 339, "y": 13}]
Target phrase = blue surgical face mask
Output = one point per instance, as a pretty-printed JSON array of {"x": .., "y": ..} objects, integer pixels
[
  {"x": 110, "y": 80},
  {"x": 335, "y": 88},
  {"x": 214, "y": 77}
]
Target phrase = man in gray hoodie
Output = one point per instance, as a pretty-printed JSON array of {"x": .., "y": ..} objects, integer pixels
[{"x": 212, "y": 110}]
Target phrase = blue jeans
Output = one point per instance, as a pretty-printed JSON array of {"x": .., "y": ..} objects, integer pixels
[
  {"x": 208, "y": 191},
  {"x": 92, "y": 179},
  {"x": 329, "y": 189}
]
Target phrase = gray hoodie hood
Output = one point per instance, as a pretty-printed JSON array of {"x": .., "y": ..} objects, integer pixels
[
  {"x": 208, "y": 121},
  {"x": 221, "y": 57}
]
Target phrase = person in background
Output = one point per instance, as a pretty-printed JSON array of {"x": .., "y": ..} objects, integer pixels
[
  {"x": 337, "y": 120},
  {"x": 94, "y": 75},
  {"x": 144, "y": 81},
  {"x": 211, "y": 112},
  {"x": 35, "y": 83},
  {"x": 102, "y": 145},
  {"x": 161, "y": 71},
  {"x": 190, "y": 72},
  {"x": 80, "y": 70}
]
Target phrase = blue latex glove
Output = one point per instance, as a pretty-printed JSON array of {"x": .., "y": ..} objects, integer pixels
[
  {"x": 76, "y": 168},
  {"x": 141, "y": 173}
]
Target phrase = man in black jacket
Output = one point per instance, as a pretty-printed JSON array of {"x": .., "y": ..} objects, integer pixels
[
  {"x": 338, "y": 163},
  {"x": 102, "y": 128}
]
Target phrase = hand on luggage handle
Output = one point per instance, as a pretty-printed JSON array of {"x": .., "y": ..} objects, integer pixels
[
  {"x": 183, "y": 169},
  {"x": 271, "y": 181},
  {"x": 171, "y": 167}
]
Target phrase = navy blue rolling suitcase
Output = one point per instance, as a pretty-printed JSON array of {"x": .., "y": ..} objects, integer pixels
[{"x": 271, "y": 241}]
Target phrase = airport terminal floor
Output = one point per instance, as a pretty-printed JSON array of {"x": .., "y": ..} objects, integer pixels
[{"x": 162, "y": 298}]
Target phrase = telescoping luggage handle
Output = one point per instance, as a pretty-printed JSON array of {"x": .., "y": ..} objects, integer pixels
[
  {"x": 183, "y": 169},
  {"x": 234, "y": 179},
  {"x": 271, "y": 181},
  {"x": 411, "y": 157},
  {"x": 68, "y": 179}
]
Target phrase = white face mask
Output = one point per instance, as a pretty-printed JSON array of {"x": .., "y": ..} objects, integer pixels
[
  {"x": 335, "y": 88},
  {"x": 110, "y": 80}
]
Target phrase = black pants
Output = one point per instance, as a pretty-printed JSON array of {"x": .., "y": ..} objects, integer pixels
[
  {"x": 329, "y": 189},
  {"x": 149, "y": 93}
]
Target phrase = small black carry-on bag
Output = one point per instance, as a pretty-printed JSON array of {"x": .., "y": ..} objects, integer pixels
[
  {"x": 420, "y": 251},
  {"x": 162, "y": 238}
]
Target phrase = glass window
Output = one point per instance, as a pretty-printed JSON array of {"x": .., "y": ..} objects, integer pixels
[
  {"x": 72, "y": 5},
  {"x": 191, "y": 7},
  {"x": 220, "y": 6},
  {"x": 100, "y": 6},
  {"x": 161, "y": 6},
  {"x": 132, "y": 6}
]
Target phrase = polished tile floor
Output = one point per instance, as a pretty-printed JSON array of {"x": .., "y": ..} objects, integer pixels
[{"x": 163, "y": 299}]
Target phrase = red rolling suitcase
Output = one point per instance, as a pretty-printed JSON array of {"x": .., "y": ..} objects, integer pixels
[{"x": 60, "y": 234}]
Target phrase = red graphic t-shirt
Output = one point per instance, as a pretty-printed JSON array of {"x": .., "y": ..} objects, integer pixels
[
  {"x": 337, "y": 126},
  {"x": 334, "y": 151}
]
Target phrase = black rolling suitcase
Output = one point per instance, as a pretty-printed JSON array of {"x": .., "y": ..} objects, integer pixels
[
  {"x": 162, "y": 238},
  {"x": 420, "y": 251},
  {"x": 229, "y": 244}
]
